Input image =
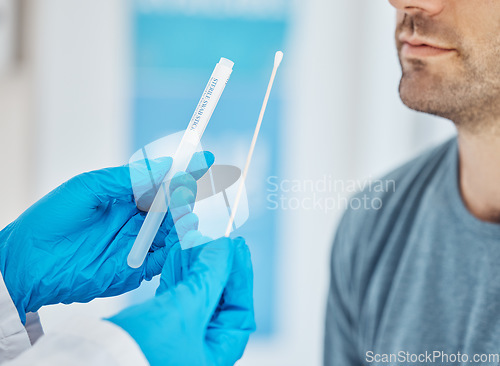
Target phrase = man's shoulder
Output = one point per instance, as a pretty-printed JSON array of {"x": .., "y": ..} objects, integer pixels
[
  {"x": 422, "y": 167},
  {"x": 381, "y": 201},
  {"x": 400, "y": 182}
]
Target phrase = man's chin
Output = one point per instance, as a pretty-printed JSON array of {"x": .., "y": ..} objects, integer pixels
[
  {"x": 423, "y": 93},
  {"x": 430, "y": 87},
  {"x": 415, "y": 98}
]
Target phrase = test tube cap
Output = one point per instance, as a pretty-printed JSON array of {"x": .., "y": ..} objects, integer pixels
[{"x": 226, "y": 62}]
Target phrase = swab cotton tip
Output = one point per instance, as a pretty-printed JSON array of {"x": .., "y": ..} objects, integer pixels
[{"x": 278, "y": 58}]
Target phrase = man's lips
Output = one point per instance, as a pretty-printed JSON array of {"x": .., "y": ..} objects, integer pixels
[{"x": 415, "y": 48}]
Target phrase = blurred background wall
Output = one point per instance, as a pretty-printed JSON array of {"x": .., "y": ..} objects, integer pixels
[{"x": 78, "y": 92}]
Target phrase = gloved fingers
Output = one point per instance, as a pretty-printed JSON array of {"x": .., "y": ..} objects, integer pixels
[
  {"x": 172, "y": 269},
  {"x": 182, "y": 189},
  {"x": 233, "y": 323},
  {"x": 157, "y": 169},
  {"x": 225, "y": 346},
  {"x": 208, "y": 274},
  {"x": 186, "y": 224},
  {"x": 183, "y": 198},
  {"x": 160, "y": 238},
  {"x": 200, "y": 289},
  {"x": 194, "y": 238},
  {"x": 147, "y": 178},
  {"x": 133, "y": 230},
  {"x": 177, "y": 233},
  {"x": 185, "y": 180},
  {"x": 149, "y": 172},
  {"x": 144, "y": 171},
  {"x": 129, "y": 231},
  {"x": 158, "y": 252},
  {"x": 155, "y": 262},
  {"x": 171, "y": 239},
  {"x": 237, "y": 305},
  {"x": 126, "y": 237},
  {"x": 200, "y": 163},
  {"x": 103, "y": 185},
  {"x": 117, "y": 252},
  {"x": 181, "y": 203},
  {"x": 112, "y": 215},
  {"x": 178, "y": 259}
]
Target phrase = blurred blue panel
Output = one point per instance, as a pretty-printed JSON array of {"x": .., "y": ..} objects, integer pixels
[
  {"x": 174, "y": 56},
  {"x": 177, "y": 42}
]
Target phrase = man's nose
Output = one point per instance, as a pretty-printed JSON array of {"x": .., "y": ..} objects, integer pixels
[{"x": 428, "y": 7}]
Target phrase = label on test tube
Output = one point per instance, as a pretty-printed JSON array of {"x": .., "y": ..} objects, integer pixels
[{"x": 208, "y": 101}]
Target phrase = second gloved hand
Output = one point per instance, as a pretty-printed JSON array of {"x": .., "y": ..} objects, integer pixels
[{"x": 203, "y": 319}]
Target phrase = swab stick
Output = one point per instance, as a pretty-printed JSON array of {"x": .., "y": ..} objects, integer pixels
[{"x": 277, "y": 61}]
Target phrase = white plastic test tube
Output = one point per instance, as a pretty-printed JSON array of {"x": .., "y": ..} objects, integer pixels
[{"x": 181, "y": 159}]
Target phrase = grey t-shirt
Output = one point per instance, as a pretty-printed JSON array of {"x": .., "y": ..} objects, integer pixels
[{"x": 418, "y": 277}]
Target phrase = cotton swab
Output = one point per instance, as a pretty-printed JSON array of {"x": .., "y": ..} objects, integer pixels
[{"x": 277, "y": 61}]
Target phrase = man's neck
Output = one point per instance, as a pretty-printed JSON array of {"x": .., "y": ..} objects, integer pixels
[{"x": 480, "y": 174}]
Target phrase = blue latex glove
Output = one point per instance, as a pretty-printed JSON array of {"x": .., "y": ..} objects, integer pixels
[
  {"x": 72, "y": 245},
  {"x": 204, "y": 319}
]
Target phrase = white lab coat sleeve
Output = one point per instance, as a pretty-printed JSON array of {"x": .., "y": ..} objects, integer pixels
[
  {"x": 81, "y": 341},
  {"x": 14, "y": 338},
  {"x": 84, "y": 342}
]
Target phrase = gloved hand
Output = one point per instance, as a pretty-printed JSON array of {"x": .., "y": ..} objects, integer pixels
[
  {"x": 188, "y": 322},
  {"x": 72, "y": 245}
]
